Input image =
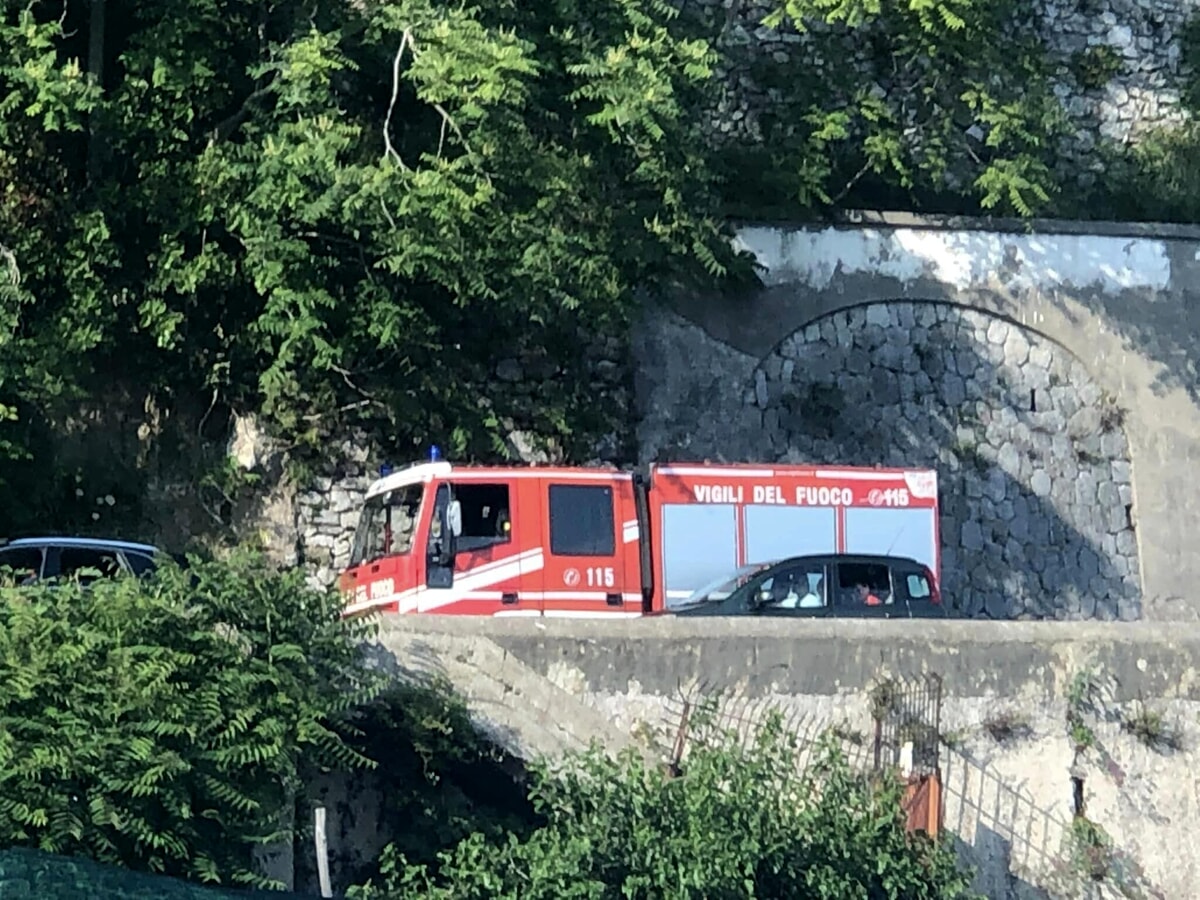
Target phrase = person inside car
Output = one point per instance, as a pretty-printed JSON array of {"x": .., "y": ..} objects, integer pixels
[
  {"x": 866, "y": 596},
  {"x": 785, "y": 593},
  {"x": 815, "y": 598}
]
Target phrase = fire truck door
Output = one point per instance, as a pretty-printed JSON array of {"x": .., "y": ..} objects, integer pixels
[
  {"x": 585, "y": 571},
  {"x": 484, "y": 577}
]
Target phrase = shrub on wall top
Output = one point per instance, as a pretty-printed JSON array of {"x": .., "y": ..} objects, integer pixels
[{"x": 738, "y": 823}]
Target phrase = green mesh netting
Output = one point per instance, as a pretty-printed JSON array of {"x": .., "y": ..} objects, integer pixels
[{"x": 32, "y": 875}]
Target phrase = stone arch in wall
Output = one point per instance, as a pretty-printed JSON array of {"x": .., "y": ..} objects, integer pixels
[{"x": 1033, "y": 461}]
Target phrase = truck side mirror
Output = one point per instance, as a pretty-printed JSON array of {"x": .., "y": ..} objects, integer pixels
[{"x": 451, "y": 522}]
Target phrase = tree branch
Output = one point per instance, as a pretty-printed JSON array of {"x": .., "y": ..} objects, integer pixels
[
  {"x": 407, "y": 40},
  {"x": 345, "y": 373},
  {"x": 96, "y": 147},
  {"x": 349, "y": 407},
  {"x": 841, "y": 195},
  {"x": 389, "y": 149},
  {"x": 227, "y": 126}
]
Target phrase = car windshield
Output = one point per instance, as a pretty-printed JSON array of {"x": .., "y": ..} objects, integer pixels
[
  {"x": 720, "y": 588},
  {"x": 388, "y": 524}
]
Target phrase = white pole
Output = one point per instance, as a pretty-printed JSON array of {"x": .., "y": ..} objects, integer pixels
[{"x": 322, "y": 851}]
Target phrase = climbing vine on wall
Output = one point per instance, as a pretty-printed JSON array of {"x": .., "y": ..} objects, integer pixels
[{"x": 937, "y": 107}]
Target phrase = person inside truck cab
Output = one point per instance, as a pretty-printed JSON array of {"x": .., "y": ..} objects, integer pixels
[{"x": 503, "y": 524}]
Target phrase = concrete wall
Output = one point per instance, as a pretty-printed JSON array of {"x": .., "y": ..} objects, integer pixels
[
  {"x": 1110, "y": 309},
  {"x": 1008, "y": 762}
]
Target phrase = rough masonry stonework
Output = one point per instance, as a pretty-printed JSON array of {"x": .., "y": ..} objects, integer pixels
[
  {"x": 1118, "y": 65},
  {"x": 327, "y": 511},
  {"x": 1049, "y": 370},
  {"x": 1035, "y": 478}
]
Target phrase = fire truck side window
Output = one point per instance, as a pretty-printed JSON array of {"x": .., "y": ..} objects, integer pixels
[
  {"x": 581, "y": 520},
  {"x": 486, "y": 515}
]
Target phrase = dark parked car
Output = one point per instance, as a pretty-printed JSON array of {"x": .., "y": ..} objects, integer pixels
[
  {"x": 42, "y": 558},
  {"x": 840, "y": 585}
]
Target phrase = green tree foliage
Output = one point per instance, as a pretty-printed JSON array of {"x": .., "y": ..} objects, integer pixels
[
  {"x": 45, "y": 102},
  {"x": 352, "y": 214},
  {"x": 738, "y": 823},
  {"x": 437, "y": 781},
  {"x": 161, "y": 725},
  {"x": 950, "y": 108}
]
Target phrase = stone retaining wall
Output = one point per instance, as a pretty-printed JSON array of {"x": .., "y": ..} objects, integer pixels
[
  {"x": 1037, "y": 502},
  {"x": 1032, "y": 458},
  {"x": 1118, "y": 65}
]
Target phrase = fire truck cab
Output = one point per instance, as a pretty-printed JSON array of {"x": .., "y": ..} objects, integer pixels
[
  {"x": 583, "y": 542},
  {"x": 497, "y": 541}
]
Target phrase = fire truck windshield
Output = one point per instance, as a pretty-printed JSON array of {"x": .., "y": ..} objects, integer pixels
[{"x": 387, "y": 524}]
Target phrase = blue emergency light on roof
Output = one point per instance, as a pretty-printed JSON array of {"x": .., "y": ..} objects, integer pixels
[
  {"x": 385, "y": 470},
  {"x": 434, "y": 453}
]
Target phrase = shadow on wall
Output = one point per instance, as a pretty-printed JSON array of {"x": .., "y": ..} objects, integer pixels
[
  {"x": 1035, "y": 478},
  {"x": 124, "y": 462},
  {"x": 1000, "y": 831},
  {"x": 435, "y": 767},
  {"x": 1020, "y": 849}
]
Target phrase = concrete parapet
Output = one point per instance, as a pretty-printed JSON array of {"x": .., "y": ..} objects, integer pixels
[
  {"x": 1009, "y": 763},
  {"x": 976, "y": 658}
]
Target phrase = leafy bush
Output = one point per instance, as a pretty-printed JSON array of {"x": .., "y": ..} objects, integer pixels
[
  {"x": 740, "y": 822},
  {"x": 161, "y": 724},
  {"x": 438, "y": 780}
]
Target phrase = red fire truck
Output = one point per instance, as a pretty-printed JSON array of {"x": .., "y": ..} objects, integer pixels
[{"x": 584, "y": 542}]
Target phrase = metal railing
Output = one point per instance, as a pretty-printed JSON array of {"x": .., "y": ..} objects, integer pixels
[{"x": 908, "y": 719}]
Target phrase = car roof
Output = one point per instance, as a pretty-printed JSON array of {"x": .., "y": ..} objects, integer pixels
[
  {"x": 861, "y": 558},
  {"x": 96, "y": 543}
]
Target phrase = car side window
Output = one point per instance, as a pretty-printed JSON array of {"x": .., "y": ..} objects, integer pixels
[
  {"x": 863, "y": 585},
  {"x": 796, "y": 587},
  {"x": 140, "y": 563},
  {"x": 87, "y": 564},
  {"x": 916, "y": 585},
  {"x": 23, "y": 563}
]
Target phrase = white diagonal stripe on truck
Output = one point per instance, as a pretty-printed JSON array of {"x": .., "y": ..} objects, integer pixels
[
  {"x": 630, "y": 532},
  {"x": 474, "y": 581}
]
